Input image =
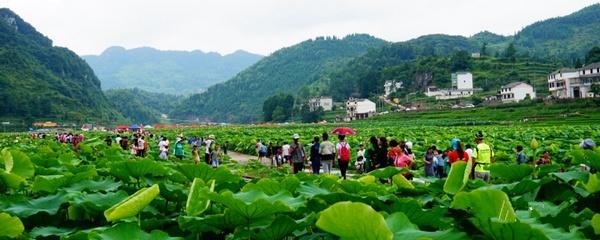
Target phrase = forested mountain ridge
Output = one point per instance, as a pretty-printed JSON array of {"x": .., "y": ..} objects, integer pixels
[
  {"x": 141, "y": 106},
  {"x": 41, "y": 82},
  {"x": 287, "y": 70},
  {"x": 173, "y": 72}
]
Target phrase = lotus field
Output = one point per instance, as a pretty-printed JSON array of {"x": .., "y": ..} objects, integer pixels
[{"x": 50, "y": 191}]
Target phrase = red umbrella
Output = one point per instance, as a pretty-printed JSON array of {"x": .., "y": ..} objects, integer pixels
[{"x": 343, "y": 131}]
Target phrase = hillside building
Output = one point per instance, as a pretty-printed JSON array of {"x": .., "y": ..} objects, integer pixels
[
  {"x": 391, "y": 86},
  {"x": 516, "y": 92},
  {"x": 359, "y": 109},
  {"x": 462, "y": 86},
  {"x": 574, "y": 83},
  {"x": 320, "y": 102}
]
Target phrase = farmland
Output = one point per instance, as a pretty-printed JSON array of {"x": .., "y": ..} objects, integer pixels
[{"x": 50, "y": 191}]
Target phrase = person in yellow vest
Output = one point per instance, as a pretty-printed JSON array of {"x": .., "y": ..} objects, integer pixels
[{"x": 483, "y": 156}]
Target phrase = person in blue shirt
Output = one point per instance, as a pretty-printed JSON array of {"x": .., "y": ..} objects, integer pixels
[{"x": 521, "y": 157}]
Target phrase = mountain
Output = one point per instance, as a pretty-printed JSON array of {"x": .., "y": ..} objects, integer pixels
[
  {"x": 570, "y": 36},
  {"x": 173, "y": 72},
  {"x": 240, "y": 99},
  {"x": 41, "y": 82},
  {"x": 141, "y": 106}
]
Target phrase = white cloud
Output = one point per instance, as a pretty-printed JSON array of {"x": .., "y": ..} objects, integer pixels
[{"x": 263, "y": 26}]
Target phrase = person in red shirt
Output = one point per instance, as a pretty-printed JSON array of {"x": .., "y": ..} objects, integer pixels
[{"x": 458, "y": 155}]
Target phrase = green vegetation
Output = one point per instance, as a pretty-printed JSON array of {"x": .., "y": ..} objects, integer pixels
[
  {"x": 172, "y": 72},
  {"x": 240, "y": 99},
  {"x": 42, "y": 82},
  {"x": 140, "y": 106},
  {"x": 278, "y": 108}
]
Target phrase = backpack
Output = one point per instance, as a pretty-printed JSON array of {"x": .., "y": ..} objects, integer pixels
[{"x": 344, "y": 152}]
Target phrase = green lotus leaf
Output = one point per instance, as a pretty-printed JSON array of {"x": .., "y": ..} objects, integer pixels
[
  {"x": 349, "y": 220},
  {"x": 486, "y": 204},
  {"x": 21, "y": 164},
  {"x": 458, "y": 177},
  {"x": 253, "y": 205},
  {"x": 10, "y": 226},
  {"x": 587, "y": 157},
  {"x": 593, "y": 183},
  {"x": 6, "y": 159},
  {"x": 310, "y": 190},
  {"x": 12, "y": 180},
  {"x": 26, "y": 207},
  {"x": 97, "y": 202},
  {"x": 38, "y": 232},
  {"x": 212, "y": 223},
  {"x": 596, "y": 223},
  {"x": 281, "y": 227},
  {"x": 50, "y": 183},
  {"x": 401, "y": 182},
  {"x": 571, "y": 175},
  {"x": 197, "y": 202},
  {"x": 137, "y": 169},
  {"x": 402, "y": 228},
  {"x": 207, "y": 173},
  {"x": 427, "y": 218},
  {"x": 368, "y": 179},
  {"x": 387, "y": 172},
  {"x": 106, "y": 185},
  {"x": 133, "y": 204},
  {"x": 128, "y": 231},
  {"x": 511, "y": 172}
]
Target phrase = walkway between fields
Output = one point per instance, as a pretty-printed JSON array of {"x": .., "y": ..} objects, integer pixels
[{"x": 244, "y": 159}]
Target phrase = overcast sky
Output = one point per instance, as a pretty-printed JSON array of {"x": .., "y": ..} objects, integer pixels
[{"x": 263, "y": 26}]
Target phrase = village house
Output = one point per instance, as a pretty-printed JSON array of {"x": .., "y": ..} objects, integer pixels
[
  {"x": 391, "y": 86},
  {"x": 462, "y": 86},
  {"x": 324, "y": 102},
  {"x": 359, "y": 109},
  {"x": 515, "y": 92},
  {"x": 574, "y": 83}
]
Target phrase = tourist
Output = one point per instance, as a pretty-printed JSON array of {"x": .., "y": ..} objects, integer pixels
[
  {"x": 142, "y": 146},
  {"x": 178, "y": 150},
  {"x": 286, "y": 152},
  {"x": 371, "y": 154},
  {"x": 225, "y": 147},
  {"x": 360, "y": 159},
  {"x": 398, "y": 156},
  {"x": 428, "y": 159},
  {"x": 458, "y": 154},
  {"x": 163, "y": 148},
  {"x": 381, "y": 160},
  {"x": 215, "y": 155},
  {"x": 326, "y": 150},
  {"x": 469, "y": 150},
  {"x": 483, "y": 156},
  {"x": 195, "y": 154},
  {"x": 343, "y": 154},
  {"x": 278, "y": 155},
  {"x": 108, "y": 141},
  {"x": 270, "y": 153},
  {"x": 439, "y": 163},
  {"x": 124, "y": 143},
  {"x": 118, "y": 139},
  {"x": 208, "y": 144},
  {"x": 315, "y": 157},
  {"x": 297, "y": 154},
  {"x": 521, "y": 157},
  {"x": 545, "y": 158}
]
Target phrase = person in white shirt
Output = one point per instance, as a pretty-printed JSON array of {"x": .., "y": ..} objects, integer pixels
[
  {"x": 469, "y": 150},
  {"x": 327, "y": 151},
  {"x": 118, "y": 139},
  {"x": 360, "y": 159},
  {"x": 163, "y": 148},
  {"x": 285, "y": 149},
  {"x": 208, "y": 143}
]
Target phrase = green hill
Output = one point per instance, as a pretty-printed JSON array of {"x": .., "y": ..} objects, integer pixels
[
  {"x": 240, "y": 99},
  {"x": 141, "y": 106},
  {"x": 173, "y": 72},
  {"x": 41, "y": 82}
]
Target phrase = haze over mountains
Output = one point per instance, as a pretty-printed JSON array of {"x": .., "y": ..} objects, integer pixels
[{"x": 172, "y": 72}]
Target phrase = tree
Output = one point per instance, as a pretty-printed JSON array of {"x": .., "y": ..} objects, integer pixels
[
  {"x": 595, "y": 89},
  {"x": 593, "y": 55},
  {"x": 577, "y": 63},
  {"x": 461, "y": 60},
  {"x": 483, "y": 50},
  {"x": 511, "y": 52},
  {"x": 279, "y": 115},
  {"x": 283, "y": 103}
]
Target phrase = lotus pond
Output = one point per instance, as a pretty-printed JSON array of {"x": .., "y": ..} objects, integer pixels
[{"x": 49, "y": 191}]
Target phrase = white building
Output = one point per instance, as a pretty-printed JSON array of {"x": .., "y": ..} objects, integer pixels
[
  {"x": 391, "y": 86},
  {"x": 324, "y": 102},
  {"x": 359, "y": 109},
  {"x": 515, "y": 92},
  {"x": 462, "y": 80},
  {"x": 574, "y": 83},
  {"x": 462, "y": 86},
  {"x": 476, "y": 55}
]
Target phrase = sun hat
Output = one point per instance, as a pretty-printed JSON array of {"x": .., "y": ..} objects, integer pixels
[
  {"x": 296, "y": 136},
  {"x": 211, "y": 136},
  {"x": 409, "y": 145},
  {"x": 588, "y": 144}
]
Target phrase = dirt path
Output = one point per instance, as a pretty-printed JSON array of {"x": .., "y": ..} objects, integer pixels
[{"x": 244, "y": 159}]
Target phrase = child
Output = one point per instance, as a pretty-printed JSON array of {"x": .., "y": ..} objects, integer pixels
[
  {"x": 164, "y": 153},
  {"x": 545, "y": 159},
  {"x": 215, "y": 155},
  {"x": 360, "y": 159},
  {"x": 195, "y": 154},
  {"x": 521, "y": 157}
]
